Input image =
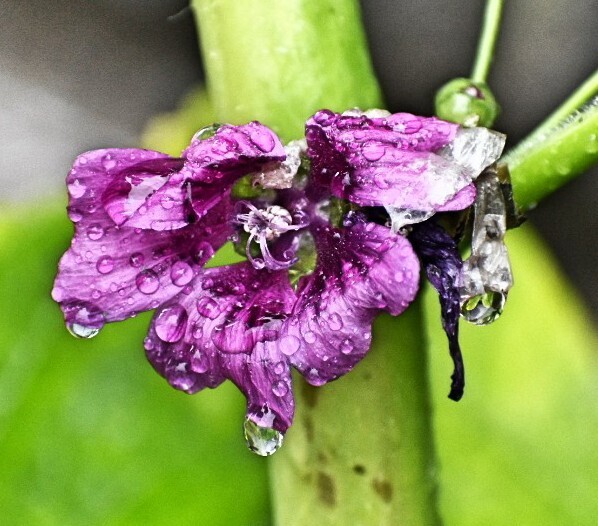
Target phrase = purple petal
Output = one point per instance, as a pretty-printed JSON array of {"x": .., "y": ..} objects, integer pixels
[
  {"x": 360, "y": 271},
  {"x": 111, "y": 273},
  {"x": 387, "y": 161},
  {"x": 442, "y": 262},
  {"x": 223, "y": 328}
]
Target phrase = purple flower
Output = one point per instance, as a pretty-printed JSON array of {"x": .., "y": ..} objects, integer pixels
[{"x": 323, "y": 258}]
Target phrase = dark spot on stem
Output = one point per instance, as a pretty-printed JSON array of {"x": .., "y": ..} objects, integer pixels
[
  {"x": 309, "y": 428},
  {"x": 326, "y": 489},
  {"x": 359, "y": 469},
  {"x": 383, "y": 488},
  {"x": 310, "y": 394}
]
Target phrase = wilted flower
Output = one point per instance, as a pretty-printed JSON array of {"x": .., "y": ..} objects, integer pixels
[{"x": 323, "y": 224}]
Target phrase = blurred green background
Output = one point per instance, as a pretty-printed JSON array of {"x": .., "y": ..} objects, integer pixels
[{"x": 89, "y": 434}]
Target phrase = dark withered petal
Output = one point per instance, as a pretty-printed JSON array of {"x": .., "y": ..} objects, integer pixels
[{"x": 442, "y": 262}]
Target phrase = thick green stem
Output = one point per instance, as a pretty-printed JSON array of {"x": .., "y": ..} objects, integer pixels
[
  {"x": 561, "y": 148},
  {"x": 360, "y": 451},
  {"x": 487, "y": 42},
  {"x": 280, "y": 61}
]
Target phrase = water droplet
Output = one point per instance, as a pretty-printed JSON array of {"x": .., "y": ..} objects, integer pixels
[
  {"x": 280, "y": 388},
  {"x": 483, "y": 309},
  {"x": 136, "y": 259},
  {"x": 279, "y": 368},
  {"x": 263, "y": 140},
  {"x": 105, "y": 265},
  {"x": 74, "y": 214},
  {"x": 207, "y": 131},
  {"x": 181, "y": 273},
  {"x": 373, "y": 151},
  {"x": 76, "y": 189},
  {"x": 335, "y": 322},
  {"x": 309, "y": 337},
  {"x": 170, "y": 323},
  {"x": 200, "y": 362},
  {"x": 108, "y": 162},
  {"x": 264, "y": 441},
  {"x": 347, "y": 347},
  {"x": 289, "y": 344},
  {"x": 208, "y": 307},
  {"x": 95, "y": 232},
  {"x": 147, "y": 281},
  {"x": 80, "y": 331}
]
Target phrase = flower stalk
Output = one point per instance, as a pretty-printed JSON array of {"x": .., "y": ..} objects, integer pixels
[
  {"x": 361, "y": 449},
  {"x": 487, "y": 41}
]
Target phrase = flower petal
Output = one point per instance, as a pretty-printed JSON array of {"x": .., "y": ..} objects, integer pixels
[
  {"x": 442, "y": 262},
  {"x": 360, "y": 271},
  {"x": 223, "y": 328},
  {"x": 110, "y": 272},
  {"x": 412, "y": 165}
]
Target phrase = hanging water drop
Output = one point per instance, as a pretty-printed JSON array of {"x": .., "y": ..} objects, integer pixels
[
  {"x": 484, "y": 308},
  {"x": 81, "y": 331},
  {"x": 263, "y": 441},
  {"x": 170, "y": 323}
]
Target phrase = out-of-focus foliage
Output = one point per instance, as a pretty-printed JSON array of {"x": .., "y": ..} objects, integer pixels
[
  {"x": 520, "y": 447},
  {"x": 89, "y": 434}
]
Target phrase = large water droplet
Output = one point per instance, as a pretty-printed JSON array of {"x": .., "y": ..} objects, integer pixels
[
  {"x": 335, "y": 322},
  {"x": 309, "y": 337},
  {"x": 200, "y": 362},
  {"x": 208, "y": 307},
  {"x": 171, "y": 322},
  {"x": 263, "y": 140},
  {"x": 76, "y": 189},
  {"x": 207, "y": 131},
  {"x": 373, "y": 151},
  {"x": 136, "y": 259},
  {"x": 108, "y": 162},
  {"x": 483, "y": 309},
  {"x": 280, "y": 388},
  {"x": 289, "y": 344},
  {"x": 80, "y": 331},
  {"x": 181, "y": 273},
  {"x": 95, "y": 232},
  {"x": 264, "y": 441},
  {"x": 147, "y": 281},
  {"x": 347, "y": 347},
  {"x": 105, "y": 265}
]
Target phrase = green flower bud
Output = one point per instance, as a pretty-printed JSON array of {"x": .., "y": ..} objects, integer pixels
[{"x": 467, "y": 102}]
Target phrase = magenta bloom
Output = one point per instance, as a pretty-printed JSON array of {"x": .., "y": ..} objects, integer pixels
[{"x": 321, "y": 264}]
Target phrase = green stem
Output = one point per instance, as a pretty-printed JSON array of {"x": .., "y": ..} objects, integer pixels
[
  {"x": 360, "y": 450},
  {"x": 487, "y": 42},
  {"x": 564, "y": 146},
  {"x": 280, "y": 61}
]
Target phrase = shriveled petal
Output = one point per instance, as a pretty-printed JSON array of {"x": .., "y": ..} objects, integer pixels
[
  {"x": 110, "y": 272},
  {"x": 412, "y": 165},
  {"x": 361, "y": 270},
  {"x": 442, "y": 262},
  {"x": 223, "y": 328}
]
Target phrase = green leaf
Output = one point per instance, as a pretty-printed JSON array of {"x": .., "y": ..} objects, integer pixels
[{"x": 89, "y": 433}]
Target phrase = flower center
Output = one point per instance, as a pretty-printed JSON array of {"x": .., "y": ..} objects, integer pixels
[{"x": 263, "y": 226}]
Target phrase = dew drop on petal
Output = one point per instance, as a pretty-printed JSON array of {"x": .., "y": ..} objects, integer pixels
[
  {"x": 181, "y": 273},
  {"x": 335, "y": 322},
  {"x": 347, "y": 347},
  {"x": 136, "y": 259},
  {"x": 170, "y": 323},
  {"x": 309, "y": 337},
  {"x": 208, "y": 307},
  {"x": 147, "y": 281},
  {"x": 200, "y": 362},
  {"x": 279, "y": 368},
  {"x": 95, "y": 232},
  {"x": 372, "y": 151},
  {"x": 289, "y": 344},
  {"x": 263, "y": 441},
  {"x": 263, "y": 140},
  {"x": 108, "y": 162},
  {"x": 280, "y": 388},
  {"x": 76, "y": 189},
  {"x": 105, "y": 265}
]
